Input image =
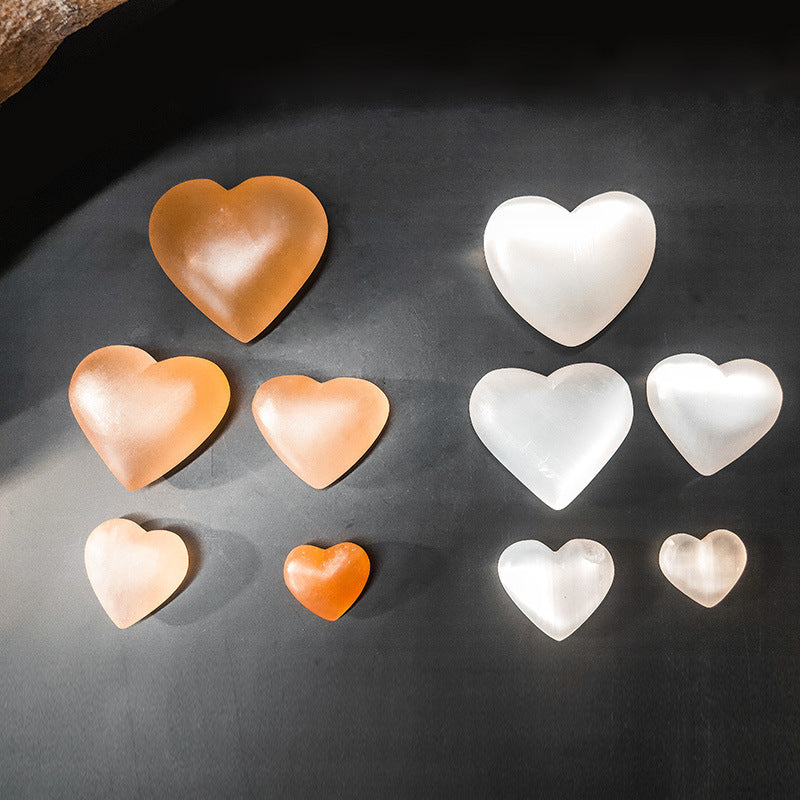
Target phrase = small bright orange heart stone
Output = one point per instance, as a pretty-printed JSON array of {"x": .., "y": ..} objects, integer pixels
[
  {"x": 239, "y": 255},
  {"x": 144, "y": 417},
  {"x": 320, "y": 430},
  {"x": 133, "y": 571},
  {"x": 327, "y": 581}
]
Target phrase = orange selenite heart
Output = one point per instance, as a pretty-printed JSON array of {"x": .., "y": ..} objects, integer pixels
[
  {"x": 144, "y": 417},
  {"x": 320, "y": 430},
  {"x": 327, "y": 582},
  {"x": 239, "y": 255},
  {"x": 133, "y": 571}
]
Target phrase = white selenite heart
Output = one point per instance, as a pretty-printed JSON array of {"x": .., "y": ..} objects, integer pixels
[
  {"x": 713, "y": 414},
  {"x": 568, "y": 274},
  {"x": 553, "y": 433},
  {"x": 703, "y": 569},
  {"x": 557, "y": 591}
]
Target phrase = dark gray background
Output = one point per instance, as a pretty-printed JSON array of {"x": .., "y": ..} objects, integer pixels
[{"x": 434, "y": 684}]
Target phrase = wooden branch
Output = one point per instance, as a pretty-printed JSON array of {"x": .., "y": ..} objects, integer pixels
[{"x": 31, "y": 30}]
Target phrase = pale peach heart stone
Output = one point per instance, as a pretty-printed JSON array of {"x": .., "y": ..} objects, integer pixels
[
  {"x": 320, "y": 430},
  {"x": 145, "y": 417},
  {"x": 133, "y": 571}
]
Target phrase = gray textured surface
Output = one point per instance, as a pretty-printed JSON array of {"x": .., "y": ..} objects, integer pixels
[{"x": 434, "y": 684}]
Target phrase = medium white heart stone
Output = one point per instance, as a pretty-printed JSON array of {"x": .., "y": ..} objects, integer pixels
[
  {"x": 703, "y": 569},
  {"x": 568, "y": 274},
  {"x": 557, "y": 591},
  {"x": 553, "y": 433},
  {"x": 713, "y": 414}
]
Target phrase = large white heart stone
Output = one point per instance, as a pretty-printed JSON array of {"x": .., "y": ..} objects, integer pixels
[
  {"x": 553, "y": 433},
  {"x": 557, "y": 591},
  {"x": 713, "y": 414},
  {"x": 703, "y": 569},
  {"x": 569, "y": 274}
]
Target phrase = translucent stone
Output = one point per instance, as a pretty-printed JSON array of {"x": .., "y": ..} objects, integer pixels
[
  {"x": 133, "y": 571},
  {"x": 553, "y": 433},
  {"x": 145, "y": 417},
  {"x": 557, "y": 591},
  {"x": 713, "y": 414},
  {"x": 239, "y": 255},
  {"x": 320, "y": 430},
  {"x": 703, "y": 569},
  {"x": 327, "y": 581},
  {"x": 569, "y": 274}
]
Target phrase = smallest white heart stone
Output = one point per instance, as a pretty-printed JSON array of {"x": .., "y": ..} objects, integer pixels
[
  {"x": 703, "y": 569},
  {"x": 557, "y": 591},
  {"x": 713, "y": 414}
]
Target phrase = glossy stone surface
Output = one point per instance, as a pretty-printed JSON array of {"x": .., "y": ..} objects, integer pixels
[
  {"x": 133, "y": 571},
  {"x": 713, "y": 414},
  {"x": 569, "y": 274},
  {"x": 239, "y": 255},
  {"x": 320, "y": 430},
  {"x": 327, "y": 581},
  {"x": 553, "y": 433},
  {"x": 703, "y": 569},
  {"x": 557, "y": 591},
  {"x": 145, "y": 417}
]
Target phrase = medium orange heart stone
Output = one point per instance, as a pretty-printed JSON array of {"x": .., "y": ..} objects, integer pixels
[
  {"x": 327, "y": 581},
  {"x": 320, "y": 430},
  {"x": 144, "y": 417},
  {"x": 239, "y": 255},
  {"x": 133, "y": 571}
]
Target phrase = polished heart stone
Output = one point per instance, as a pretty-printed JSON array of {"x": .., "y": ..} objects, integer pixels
[
  {"x": 703, "y": 569},
  {"x": 557, "y": 591},
  {"x": 327, "y": 581},
  {"x": 133, "y": 571},
  {"x": 569, "y": 274},
  {"x": 553, "y": 433},
  {"x": 145, "y": 417},
  {"x": 320, "y": 430},
  {"x": 239, "y": 255},
  {"x": 713, "y": 414}
]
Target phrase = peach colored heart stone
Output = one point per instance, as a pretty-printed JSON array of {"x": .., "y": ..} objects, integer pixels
[
  {"x": 320, "y": 430},
  {"x": 145, "y": 417},
  {"x": 327, "y": 581},
  {"x": 703, "y": 569},
  {"x": 239, "y": 255},
  {"x": 133, "y": 571}
]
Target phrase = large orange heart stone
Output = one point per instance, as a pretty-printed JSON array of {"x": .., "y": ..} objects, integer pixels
[
  {"x": 320, "y": 430},
  {"x": 239, "y": 255},
  {"x": 144, "y": 417},
  {"x": 133, "y": 571},
  {"x": 327, "y": 581}
]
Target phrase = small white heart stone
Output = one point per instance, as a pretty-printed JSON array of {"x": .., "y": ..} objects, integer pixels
[
  {"x": 557, "y": 591},
  {"x": 713, "y": 414},
  {"x": 703, "y": 569},
  {"x": 569, "y": 274},
  {"x": 553, "y": 433}
]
